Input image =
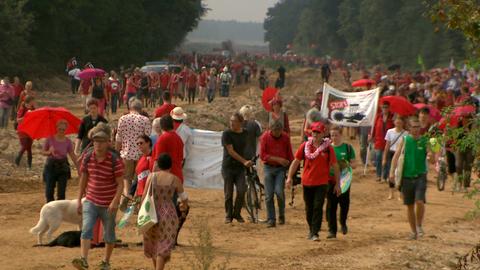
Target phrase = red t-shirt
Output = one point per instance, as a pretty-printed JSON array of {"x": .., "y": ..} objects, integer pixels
[
  {"x": 113, "y": 86},
  {"x": 164, "y": 79},
  {"x": 169, "y": 142},
  {"x": 102, "y": 183},
  {"x": 85, "y": 86},
  {"x": 18, "y": 88},
  {"x": 142, "y": 171},
  {"x": 174, "y": 80},
  {"x": 192, "y": 80},
  {"x": 277, "y": 147},
  {"x": 164, "y": 110},
  {"x": 380, "y": 130},
  {"x": 154, "y": 80},
  {"x": 316, "y": 172},
  {"x": 202, "y": 79},
  {"x": 131, "y": 86}
]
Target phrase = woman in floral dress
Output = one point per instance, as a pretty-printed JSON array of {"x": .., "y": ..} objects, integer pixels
[{"x": 159, "y": 241}]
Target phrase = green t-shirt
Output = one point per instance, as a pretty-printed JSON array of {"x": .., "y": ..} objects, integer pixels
[
  {"x": 415, "y": 161},
  {"x": 344, "y": 154}
]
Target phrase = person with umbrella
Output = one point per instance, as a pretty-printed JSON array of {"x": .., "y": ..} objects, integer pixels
[
  {"x": 277, "y": 114},
  {"x": 56, "y": 172}
]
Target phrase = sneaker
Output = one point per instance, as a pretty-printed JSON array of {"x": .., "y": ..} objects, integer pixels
[
  {"x": 228, "y": 220},
  {"x": 420, "y": 232},
  {"x": 331, "y": 235},
  {"x": 315, "y": 238},
  {"x": 270, "y": 224},
  {"x": 281, "y": 221},
  {"x": 104, "y": 266},
  {"x": 412, "y": 236},
  {"x": 240, "y": 219},
  {"x": 344, "y": 229},
  {"x": 80, "y": 263}
]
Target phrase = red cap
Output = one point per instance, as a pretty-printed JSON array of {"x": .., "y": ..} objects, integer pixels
[{"x": 318, "y": 127}]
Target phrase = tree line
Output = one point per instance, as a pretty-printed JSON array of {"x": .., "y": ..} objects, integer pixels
[
  {"x": 369, "y": 31},
  {"x": 41, "y": 35}
]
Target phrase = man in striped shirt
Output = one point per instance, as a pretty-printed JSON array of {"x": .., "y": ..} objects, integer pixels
[{"x": 102, "y": 182}]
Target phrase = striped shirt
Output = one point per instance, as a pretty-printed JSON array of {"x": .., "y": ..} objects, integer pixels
[{"x": 101, "y": 179}]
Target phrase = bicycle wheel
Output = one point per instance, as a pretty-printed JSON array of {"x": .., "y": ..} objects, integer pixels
[
  {"x": 252, "y": 203},
  {"x": 442, "y": 176}
]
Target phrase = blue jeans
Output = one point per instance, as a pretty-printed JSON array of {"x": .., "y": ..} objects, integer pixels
[
  {"x": 4, "y": 117},
  {"x": 114, "y": 102},
  {"x": 274, "y": 184},
  {"x": 378, "y": 162},
  {"x": 225, "y": 90},
  {"x": 210, "y": 94},
  {"x": 90, "y": 214}
]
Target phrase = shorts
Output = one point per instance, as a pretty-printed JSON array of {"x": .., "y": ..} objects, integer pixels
[
  {"x": 90, "y": 214},
  {"x": 414, "y": 189},
  {"x": 130, "y": 170}
]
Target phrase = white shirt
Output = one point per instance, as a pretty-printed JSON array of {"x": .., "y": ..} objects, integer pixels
[
  {"x": 74, "y": 73},
  {"x": 185, "y": 133},
  {"x": 392, "y": 136}
]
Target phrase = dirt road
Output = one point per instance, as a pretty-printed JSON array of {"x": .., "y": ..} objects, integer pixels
[{"x": 377, "y": 227}]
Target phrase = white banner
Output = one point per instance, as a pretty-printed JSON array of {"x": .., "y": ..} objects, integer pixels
[
  {"x": 351, "y": 109},
  {"x": 203, "y": 165}
]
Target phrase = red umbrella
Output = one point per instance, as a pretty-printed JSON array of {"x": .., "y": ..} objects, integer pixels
[
  {"x": 399, "y": 105},
  {"x": 363, "y": 83},
  {"x": 456, "y": 115},
  {"x": 268, "y": 94},
  {"x": 90, "y": 73},
  {"x": 434, "y": 112},
  {"x": 42, "y": 123}
]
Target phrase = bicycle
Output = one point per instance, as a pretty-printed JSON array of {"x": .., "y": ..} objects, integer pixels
[{"x": 255, "y": 192}]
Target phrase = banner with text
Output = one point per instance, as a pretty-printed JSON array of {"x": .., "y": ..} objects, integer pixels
[{"x": 351, "y": 109}]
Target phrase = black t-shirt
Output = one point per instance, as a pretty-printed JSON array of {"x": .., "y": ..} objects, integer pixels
[
  {"x": 97, "y": 92},
  {"x": 253, "y": 132},
  {"x": 239, "y": 142},
  {"x": 325, "y": 69},
  {"x": 87, "y": 124},
  {"x": 281, "y": 72}
]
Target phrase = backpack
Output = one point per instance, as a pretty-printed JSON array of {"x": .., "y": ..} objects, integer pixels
[{"x": 88, "y": 151}]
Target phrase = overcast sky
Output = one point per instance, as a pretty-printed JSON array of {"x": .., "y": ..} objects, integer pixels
[{"x": 239, "y": 10}]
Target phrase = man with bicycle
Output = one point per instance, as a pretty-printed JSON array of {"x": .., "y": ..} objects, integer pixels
[
  {"x": 234, "y": 141},
  {"x": 276, "y": 154}
]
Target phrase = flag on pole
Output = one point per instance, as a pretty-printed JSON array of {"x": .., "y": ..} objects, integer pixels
[{"x": 420, "y": 62}]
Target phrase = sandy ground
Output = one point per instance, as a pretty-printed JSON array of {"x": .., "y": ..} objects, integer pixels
[{"x": 377, "y": 227}]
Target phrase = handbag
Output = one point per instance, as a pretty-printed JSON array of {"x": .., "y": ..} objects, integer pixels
[
  {"x": 399, "y": 169},
  {"x": 147, "y": 215}
]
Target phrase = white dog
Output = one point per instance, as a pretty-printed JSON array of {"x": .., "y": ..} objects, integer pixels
[{"x": 52, "y": 215}]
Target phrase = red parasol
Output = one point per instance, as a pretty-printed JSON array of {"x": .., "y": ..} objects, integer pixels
[
  {"x": 456, "y": 115},
  {"x": 434, "y": 112},
  {"x": 90, "y": 73},
  {"x": 399, "y": 105},
  {"x": 268, "y": 94},
  {"x": 42, "y": 123},
  {"x": 363, "y": 83}
]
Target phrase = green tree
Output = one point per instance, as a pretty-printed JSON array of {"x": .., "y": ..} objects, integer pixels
[
  {"x": 15, "y": 25},
  {"x": 281, "y": 23}
]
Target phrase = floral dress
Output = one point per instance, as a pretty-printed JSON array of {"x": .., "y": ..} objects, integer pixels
[{"x": 160, "y": 239}]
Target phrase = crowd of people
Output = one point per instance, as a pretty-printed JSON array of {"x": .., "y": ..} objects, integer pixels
[{"x": 118, "y": 165}]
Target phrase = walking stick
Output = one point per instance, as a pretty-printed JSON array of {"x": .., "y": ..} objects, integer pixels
[{"x": 366, "y": 159}]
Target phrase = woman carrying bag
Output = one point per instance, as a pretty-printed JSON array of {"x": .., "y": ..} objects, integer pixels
[{"x": 159, "y": 239}]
